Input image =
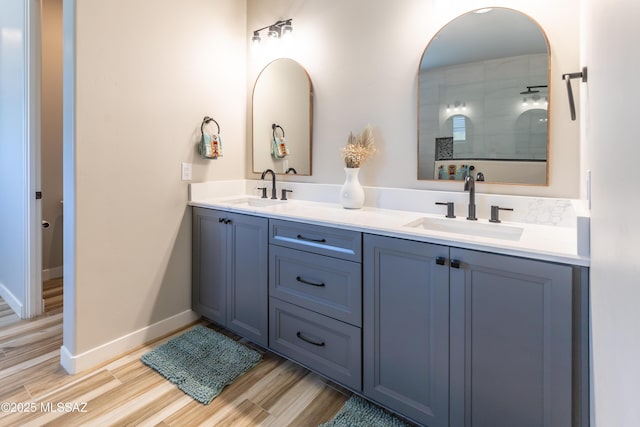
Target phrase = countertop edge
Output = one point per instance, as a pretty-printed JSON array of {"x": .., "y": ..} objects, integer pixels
[{"x": 441, "y": 238}]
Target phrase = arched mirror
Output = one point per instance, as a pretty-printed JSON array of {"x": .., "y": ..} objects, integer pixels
[
  {"x": 282, "y": 119},
  {"x": 483, "y": 99}
]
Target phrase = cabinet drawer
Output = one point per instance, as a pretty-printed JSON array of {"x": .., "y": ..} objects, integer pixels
[
  {"x": 325, "y": 285},
  {"x": 326, "y": 345},
  {"x": 345, "y": 244}
]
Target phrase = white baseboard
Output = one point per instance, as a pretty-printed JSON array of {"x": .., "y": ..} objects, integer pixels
[
  {"x": 51, "y": 273},
  {"x": 80, "y": 362},
  {"x": 13, "y": 302}
]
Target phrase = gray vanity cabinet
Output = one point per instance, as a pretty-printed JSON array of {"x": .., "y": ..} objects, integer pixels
[
  {"x": 456, "y": 337},
  {"x": 511, "y": 341},
  {"x": 406, "y": 327},
  {"x": 230, "y": 271}
]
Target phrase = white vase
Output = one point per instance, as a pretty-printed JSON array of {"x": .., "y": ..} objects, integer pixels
[{"x": 352, "y": 193}]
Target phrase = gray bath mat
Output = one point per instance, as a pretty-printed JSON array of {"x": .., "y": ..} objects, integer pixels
[
  {"x": 357, "y": 412},
  {"x": 201, "y": 362}
]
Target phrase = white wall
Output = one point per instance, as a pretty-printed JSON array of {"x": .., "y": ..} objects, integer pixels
[
  {"x": 13, "y": 153},
  {"x": 612, "y": 32},
  {"x": 144, "y": 79},
  {"x": 52, "y": 136},
  {"x": 363, "y": 60}
]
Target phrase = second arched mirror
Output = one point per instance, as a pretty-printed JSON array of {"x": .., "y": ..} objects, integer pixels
[
  {"x": 483, "y": 99},
  {"x": 282, "y": 119}
]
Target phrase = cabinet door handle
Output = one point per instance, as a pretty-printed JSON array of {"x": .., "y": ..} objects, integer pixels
[
  {"x": 221, "y": 220},
  {"x": 306, "y": 282},
  {"x": 455, "y": 263},
  {"x": 309, "y": 239},
  {"x": 227, "y": 221},
  {"x": 310, "y": 341},
  {"x": 440, "y": 260}
]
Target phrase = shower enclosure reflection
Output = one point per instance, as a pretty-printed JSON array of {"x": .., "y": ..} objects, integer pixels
[{"x": 483, "y": 100}]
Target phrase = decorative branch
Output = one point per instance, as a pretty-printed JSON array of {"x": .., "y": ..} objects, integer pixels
[{"x": 359, "y": 148}]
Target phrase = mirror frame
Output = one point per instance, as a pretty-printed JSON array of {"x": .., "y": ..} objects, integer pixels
[
  {"x": 548, "y": 144},
  {"x": 253, "y": 94}
]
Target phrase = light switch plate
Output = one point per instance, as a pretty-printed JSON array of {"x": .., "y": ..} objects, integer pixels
[{"x": 187, "y": 171}]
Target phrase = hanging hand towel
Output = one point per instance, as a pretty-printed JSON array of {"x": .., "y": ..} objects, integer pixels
[
  {"x": 279, "y": 147},
  {"x": 210, "y": 146}
]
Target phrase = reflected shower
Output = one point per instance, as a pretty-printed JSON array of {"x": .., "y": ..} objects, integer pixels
[{"x": 532, "y": 89}]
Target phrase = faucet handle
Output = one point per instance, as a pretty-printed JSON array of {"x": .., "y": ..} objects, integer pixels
[
  {"x": 284, "y": 193},
  {"x": 495, "y": 212},
  {"x": 264, "y": 192},
  {"x": 449, "y": 205}
]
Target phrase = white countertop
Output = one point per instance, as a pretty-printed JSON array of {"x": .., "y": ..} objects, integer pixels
[{"x": 542, "y": 242}]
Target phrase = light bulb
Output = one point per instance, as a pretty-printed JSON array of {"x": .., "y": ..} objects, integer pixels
[
  {"x": 255, "y": 40},
  {"x": 287, "y": 29}
]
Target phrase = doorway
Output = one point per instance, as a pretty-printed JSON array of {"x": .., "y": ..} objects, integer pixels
[{"x": 51, "y": 164}]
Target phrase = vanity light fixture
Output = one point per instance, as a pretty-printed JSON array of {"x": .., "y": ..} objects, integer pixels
[
  {"x": 280, "y": 29},
  {"x": 536, "y": 100},
  {"x": 457, "y": 107}
]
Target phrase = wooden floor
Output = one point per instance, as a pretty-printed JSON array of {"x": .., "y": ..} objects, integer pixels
[{"x": 36, "y": 391}]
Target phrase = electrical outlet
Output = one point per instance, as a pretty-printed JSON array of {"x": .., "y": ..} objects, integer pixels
[{"x": 187, "y": 171}]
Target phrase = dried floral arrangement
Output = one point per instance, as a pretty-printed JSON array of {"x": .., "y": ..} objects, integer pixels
[{"x": 359, "y": 148}]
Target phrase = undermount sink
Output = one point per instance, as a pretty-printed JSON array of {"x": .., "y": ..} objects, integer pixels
[
  {"x": 473, "y": 228},
  {"x": 256, "y": 202}
]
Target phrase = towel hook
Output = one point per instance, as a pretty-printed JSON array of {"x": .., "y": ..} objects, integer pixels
[
  {"x": 567, "y": 77},
  {"x": 274, "y": 126}
]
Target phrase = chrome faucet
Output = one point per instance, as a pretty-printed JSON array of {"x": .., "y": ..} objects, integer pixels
[
  {"x": 470, "y": 186},
  {"x": 273, "y": 182}
]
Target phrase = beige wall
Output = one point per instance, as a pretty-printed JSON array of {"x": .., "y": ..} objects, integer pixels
[
  {"x": 52, "y": 135},
  {"x": 363, "y": 59},
  {"x": 145, "y": 76}
]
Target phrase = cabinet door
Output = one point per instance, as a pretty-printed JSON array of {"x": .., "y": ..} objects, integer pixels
[
  {"x": 406, "y": 327},
  {"x": 209, "y": 257},
  {"x": 511, "y": 341},
  {"x": 247, "y": 294}
]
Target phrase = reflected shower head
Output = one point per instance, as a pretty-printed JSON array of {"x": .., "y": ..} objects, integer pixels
[{"x": 529, "y": 90}]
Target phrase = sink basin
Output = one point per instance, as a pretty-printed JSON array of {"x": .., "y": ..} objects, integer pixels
[
  {"x": 256, "y": 202},
  {"x": 473, "y": 228}
]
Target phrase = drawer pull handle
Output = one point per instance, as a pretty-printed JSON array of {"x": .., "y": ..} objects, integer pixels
[
  {"x": 305, "y": 339},
  {"x": 455, "y": 263},
  {"x": 309, "y": 239},
  {"x": 306, "y": 282},
  {"x": 441, "y": 260}
]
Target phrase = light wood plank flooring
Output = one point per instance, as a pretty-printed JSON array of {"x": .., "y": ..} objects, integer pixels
[
  {"x": 124, "y": 392},
  {"x": 52, "y": 295}
]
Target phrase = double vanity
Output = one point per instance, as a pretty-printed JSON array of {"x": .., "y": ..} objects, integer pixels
[{"x": 446, "y": 321}]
